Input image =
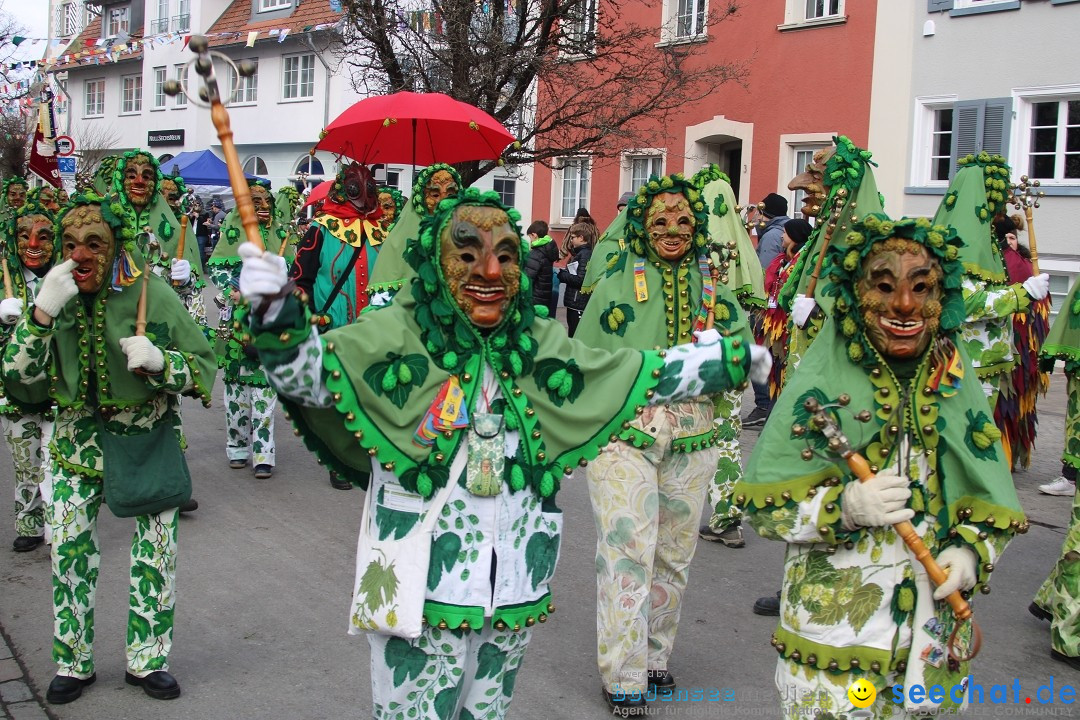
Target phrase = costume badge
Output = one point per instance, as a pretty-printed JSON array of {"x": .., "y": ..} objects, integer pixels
[{"x": 487, "y": 455}]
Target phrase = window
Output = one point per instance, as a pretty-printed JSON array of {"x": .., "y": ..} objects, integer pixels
[
  {"x": 507, "y": 188},
  {"x": 644, "y": 167},
  {"x": 575, "y": 187},
  {"x": 181, "y": 75},
  {"x": 580, "y": 29},
  {"x": 1059, "y": 290},
  {"x": 941, "y": 136},
  {"x": 267, "y": 5},
  {"x": 246, "y": 88},
  {"x": 980, "y": 4},
  {"x": 684, "y": 19},
  {"x": 804, "y": 155},
  {"x": 131, "y": 94},
  {"x": 66, "y": 20},
  {"x": 393, "y": 178},
  {"x": 298, "y": 77},
  {"x": 182, "y": 22},
  {"x": 310, "y": 165},
  {"x": 94, "y": 92},
  {"x": 822, "y": 8},
  {"x": 159, "y": 88},
  {"x": 161, "y": 24},
  {"x": 119, "y": 21},
  {"x": 255, "y": 165},
  {"x": 1054, "y": 140}
]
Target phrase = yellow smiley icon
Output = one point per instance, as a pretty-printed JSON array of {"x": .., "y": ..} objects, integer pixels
[{"x": 861, "y": 693}]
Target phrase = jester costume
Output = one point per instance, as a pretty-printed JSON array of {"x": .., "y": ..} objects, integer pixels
[
  {"x": 533, "y": 404},
  {"x": 648, "y": 485},
  {"x": 27, "y": 424},
  {"x": 334, "y": 261},
  {"x": 735, "y": 254},
  {"x": 1058, "y": 600},
  {"x": 249, "y": 399},
  {"x": 775, "y": 323},
  {"x": 155, "y": 228},
  {"x": 393, "y": 272},
  {"x": 79, "y": 361},
  {"x": 852, "y": 591},
  {"x": 846, "y": 188}
]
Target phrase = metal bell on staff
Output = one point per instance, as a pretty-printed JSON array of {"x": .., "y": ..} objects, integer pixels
[{"x": 1026, "y": 196}]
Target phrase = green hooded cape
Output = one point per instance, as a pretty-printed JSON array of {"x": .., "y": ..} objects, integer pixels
[
  {"x": 392, "y": 272},
  {"x": 975, "y": 195},
  {"x": 565, "y": 400},
  {"x": 615, "y": 318},
  {"x": 744, "y": 276},
  {"x": 970, "y": 471},
  {"x": 607, "y": 249},
  {"x": 1063, "y": 342},
  {"x": 110, "y": 315},
  {"x": 232, "y": 234}
]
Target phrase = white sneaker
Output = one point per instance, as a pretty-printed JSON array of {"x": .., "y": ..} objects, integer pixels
[{"x": 1060, "y": 486}]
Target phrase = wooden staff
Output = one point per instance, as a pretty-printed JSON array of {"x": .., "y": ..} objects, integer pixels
[
  {"x": 821, "y": 421},
  {"x": 183, "y": 239},
  {"x": 204, "y": 66},
  {"x": 140, "y": 312},
  {"x": 8, "y": 292},
  {"x": 826, "y": 241},
  {"x": 1026, "y": 196}
]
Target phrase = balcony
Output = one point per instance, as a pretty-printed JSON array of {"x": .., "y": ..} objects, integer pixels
[
  {"x": 181, "y": 23},
  {"x": 159, "y": 26}
]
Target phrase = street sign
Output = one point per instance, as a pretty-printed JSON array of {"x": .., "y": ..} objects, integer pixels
[
  {"x": 66, "y": 165},
  {"x": 65, "y": 146}
]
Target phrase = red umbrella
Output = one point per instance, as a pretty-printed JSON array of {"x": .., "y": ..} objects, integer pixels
[
  {"x": 416, "y": 128},
  {"x": 318, "y": 193}
]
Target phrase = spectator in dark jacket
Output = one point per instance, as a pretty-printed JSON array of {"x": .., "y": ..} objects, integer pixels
[
  {"x": 580, "y": 239},
  {"x": 539, "y": 266},
  {"x": 771, "y": 237}
]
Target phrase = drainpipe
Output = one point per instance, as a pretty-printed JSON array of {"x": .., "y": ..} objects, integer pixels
[{"x": 326, "y": 99}]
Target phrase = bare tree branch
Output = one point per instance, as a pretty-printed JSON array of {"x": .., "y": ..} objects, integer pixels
[
  {"x": 599, "y": 80},
  {"x": 94, "y": 142}
]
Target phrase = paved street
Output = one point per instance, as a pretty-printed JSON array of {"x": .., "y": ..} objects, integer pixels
[{"x": 266, "y": 568}]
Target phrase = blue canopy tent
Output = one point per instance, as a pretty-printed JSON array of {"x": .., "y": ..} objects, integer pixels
[{"x": 200, "y": 167}]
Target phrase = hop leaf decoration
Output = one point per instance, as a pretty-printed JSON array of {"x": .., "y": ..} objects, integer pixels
[
  {"x": 982, "y": 435},
  {"x": 397, "y": 376},
  {"x": 616, "y": 318},
  {"x": 563, "y": 381},
  {"x": 379, "y": 584},
  {"x": 615, "y": 262}
]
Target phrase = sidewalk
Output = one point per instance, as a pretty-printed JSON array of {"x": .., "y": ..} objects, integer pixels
[{"x": 17, "y": 698}]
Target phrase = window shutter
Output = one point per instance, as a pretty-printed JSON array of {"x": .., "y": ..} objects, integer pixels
[
  {"x": 996, "y": 121},
  {"x": 966, "y": 130},
  {"x": 939, "y": 5}
]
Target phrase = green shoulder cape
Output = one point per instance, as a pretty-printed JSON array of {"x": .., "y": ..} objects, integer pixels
[
  {"x": 615, "y": 318},
  {"x": 566, "y": 401},
  {"x": 971, "y": 472},
  {"x": 391, "y": 271},
  {"x": 1063, "y": 342},
  {"x": 745, "y": 278},
  {"x": 232, "y": 234},
  {"x": 609, "y": 245}
]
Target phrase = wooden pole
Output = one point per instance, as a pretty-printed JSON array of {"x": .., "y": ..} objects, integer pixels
[
  {"x": 183, "y": 239},
  {"x": 8, "y": 291},
  {"x": 140, "y": 312},
  {"x": 1031, "y": 239}
]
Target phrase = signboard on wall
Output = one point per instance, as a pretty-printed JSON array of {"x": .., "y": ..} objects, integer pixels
[{"x": 165, "y": 137}]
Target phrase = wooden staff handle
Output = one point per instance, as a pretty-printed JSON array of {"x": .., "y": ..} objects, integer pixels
[
  {"x": 183, "y": 240},
  {"x": 8, "y": 292},
  {"x": 140, "y": 312},
  {"x": 710, "y": 318},
  {"x": 826, "y": 241},
  {"x": 240, "y": 188},
  {"x": 1031, "y": 240}
]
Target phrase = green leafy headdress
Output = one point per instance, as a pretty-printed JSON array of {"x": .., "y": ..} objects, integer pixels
[
  {"x": 845, "y": 263},
  {"x": 32, "y": 206},
  {"x": 447, "y": 333},
  {"x": 103, "y": 176},
  {"x": 637, "y": 236},
  {"x": 127, "y": 261},
  {"x": 181, "y": 187},
  {"x": 421, "y": 182},
  {"x": 399, "y": 200},
  {"x": 285, "y": 204},
  {"x": 13, "y": 180},
  {"x": 978, "y": 192}
]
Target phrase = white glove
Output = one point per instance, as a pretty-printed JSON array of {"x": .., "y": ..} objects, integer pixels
[
  {"x": 760, "y": 364},
  {"x": 262, "y": 275},
  {"x": 181, "y": 272},
  {"x": 801, "y": 309},
  {"x": 57, "y": 288},
  {"x": 141, "y": 353},
  {"x": 703, "y": 338},
  {"x": 878, "y": 502},
  {"x": 961, "y": 563},
  {"x": 1038, "y": 286},
  {"x": 11, "y": 309}
]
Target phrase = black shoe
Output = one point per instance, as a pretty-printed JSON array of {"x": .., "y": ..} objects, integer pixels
[
  {"x": 264, "y": 471},
  {"x": 26, "y": 543},
  {"x": 625, "y": 705},
  {"x": 661, "y": 681},
  {"x": 756, "y": 418},
  {"x": 237, "y": 464},
  {"x": 339, "y": 483},
  {"x": 190, "y": 506},
  {"x": 65, "y": 689},
  {"x": 1071, "y": 661},
  {"x": 767, "y": 605},
  {"x": 159, "y": 685},
  {"x": 1036, "y": 610},
  {"x": 731, "y": 536}
]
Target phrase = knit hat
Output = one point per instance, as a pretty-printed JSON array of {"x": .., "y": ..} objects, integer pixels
[
  {"x": 798, "y": 230},
  {"x": 624, "y": 199},
  {"x": 774, "y": 205}
]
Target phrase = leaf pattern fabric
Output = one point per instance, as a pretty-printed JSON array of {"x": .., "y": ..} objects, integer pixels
[
  {"x": 987, "y": 332},
  {"x": 446, "y": 674},
  {"x": 725, "y": 513},
  {"x": 1059, "y": 594},
  {"x": 249, "y": 422},
  {"x": 646, "y": 504},
  {"x": 26, "y": 436},
  {"x": 76, "y": 556}
]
